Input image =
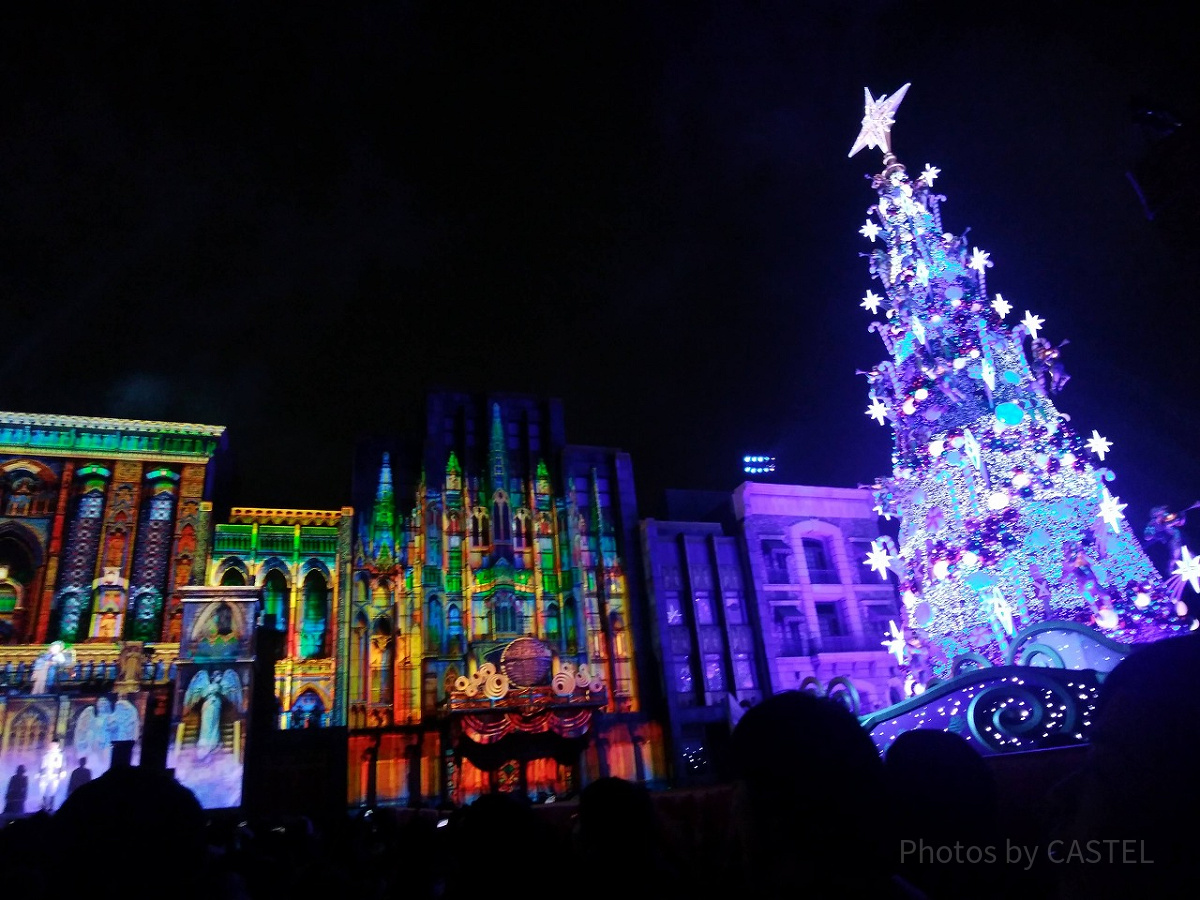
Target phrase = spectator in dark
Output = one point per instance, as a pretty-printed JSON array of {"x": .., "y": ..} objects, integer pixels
[
  {"x": 954, "y": 802},
  {"x": 80, "y": 776},
  {"x": 18, "y": 791},
  {"x": 494, "y": 826},
  {"x": 619, "y": 815},
  {"x": 810, "y": 806},
  {"x": 1125, "y": 825},
  {"x": 149, "y": 811}
]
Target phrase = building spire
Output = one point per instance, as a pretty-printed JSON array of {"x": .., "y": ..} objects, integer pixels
[
  {"x": 383, "y": 516},
  {"x": 498, "y": 454}
]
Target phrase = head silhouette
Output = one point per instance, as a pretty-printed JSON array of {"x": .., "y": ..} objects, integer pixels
[
  {"x": 804, "y": 772},
  {"x": 1137, "y": 776}
]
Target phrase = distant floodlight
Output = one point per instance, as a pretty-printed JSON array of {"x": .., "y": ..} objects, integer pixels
[{"x": 758, "y": 464}]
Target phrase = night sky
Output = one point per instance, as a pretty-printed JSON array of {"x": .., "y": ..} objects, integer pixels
[{"x": 295, "y": 220}]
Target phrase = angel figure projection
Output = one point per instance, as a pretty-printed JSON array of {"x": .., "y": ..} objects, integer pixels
[
  {"x": 51, "y": 667},
  {"x": 210, "y": 694},
  {"x": 100, "y": 725}
]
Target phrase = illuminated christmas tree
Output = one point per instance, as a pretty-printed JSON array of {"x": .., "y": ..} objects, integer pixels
[{"x": 1012, "y": 548}]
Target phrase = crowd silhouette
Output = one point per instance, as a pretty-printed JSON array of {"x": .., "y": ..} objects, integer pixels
[{"x": 808, "y": 808}]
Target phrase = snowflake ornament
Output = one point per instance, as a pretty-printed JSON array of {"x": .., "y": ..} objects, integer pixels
[
  {"x": 929, "y": 174},
  {"x": 1001, "y": 306},
  {"x": 1032, "y": 323},
  {"x": 1110, "y": 511},
  {"x": 879, "y": 559},
  {"x": 1098, "y": 444},
  {"x": 979, "y": 261},
  {"x": 1187, "y": 567},
  {"x": 871, "y": 302},
  {"x": 895, "y": 643},
  {"x": 877, "y": 410},
  {"x": 870, "y": 231}
]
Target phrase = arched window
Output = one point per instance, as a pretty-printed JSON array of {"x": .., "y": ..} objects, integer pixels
[
  {"x": 275, "y": 598},
  {"x": 233, "y": 577},
  {"x": 552, "y": 622},
  {"x": 312, "y": 636},
  {"x": 480, "y": 531},
  {"x": 570, "y": 625},
  {"x": 500, "y": 520},
  {"x": 454, "y": 628},
  {"x": 307, "y": 711},
  {"x": 358, "y": 659},
  {"x": 29, "y": 731},
  {"x": 505, "y": 617},
  {"x": 433, "y": 624},
  {"x": 381, "y": 661}
]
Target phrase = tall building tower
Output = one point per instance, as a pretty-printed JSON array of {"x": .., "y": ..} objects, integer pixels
[{"x": 492, "y": 632}]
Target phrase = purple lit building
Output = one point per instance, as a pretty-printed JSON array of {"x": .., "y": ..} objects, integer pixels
[{"x": 824, "y": 613}]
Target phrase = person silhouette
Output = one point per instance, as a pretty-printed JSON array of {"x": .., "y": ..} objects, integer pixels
[
  {"x": 80, "y": 776},
  {"x": 136, "y": 804},
  {"x": 617, "y": 812},
  {"x": 806, "y": 776},
  {"x": 50, "y": 775},
  {"x": 18, "y": 791},
  {"x": 1124, "y": 812},
  {"x": 964, "y": 809}
]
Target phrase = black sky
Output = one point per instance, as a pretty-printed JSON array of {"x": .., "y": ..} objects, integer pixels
[{"x": 294, "y": 220}]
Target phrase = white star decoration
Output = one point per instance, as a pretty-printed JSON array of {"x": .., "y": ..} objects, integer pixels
[
  {"x": 895, "y": 643},
  {"x": 929, "y": 174},
  {"x": 878, "y": 118},
  {"x": 1187, "y": 567},
  {"x": 877, "y": 410},
  {"x": 871, "y": 302},
  {"x": 979, "y": 261},
  {"x": 1001, "y": 306},
  {"x": 1110, "y": 511},
  {"x": 1099, "y": 445},
  {"x": 1032, "y": 323},
  {"x": 879, "y": 560},
  {"x": 870, "y": 230}
]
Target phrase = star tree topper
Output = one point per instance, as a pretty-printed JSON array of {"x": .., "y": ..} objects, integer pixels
[{"x": 878, "y": 118}]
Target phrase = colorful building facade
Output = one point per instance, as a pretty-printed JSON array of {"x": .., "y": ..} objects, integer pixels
[
  {"x": 101, "y": 521},
  {"x": 493, "y": 629},
  {"x": 300, "y": 560}
]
